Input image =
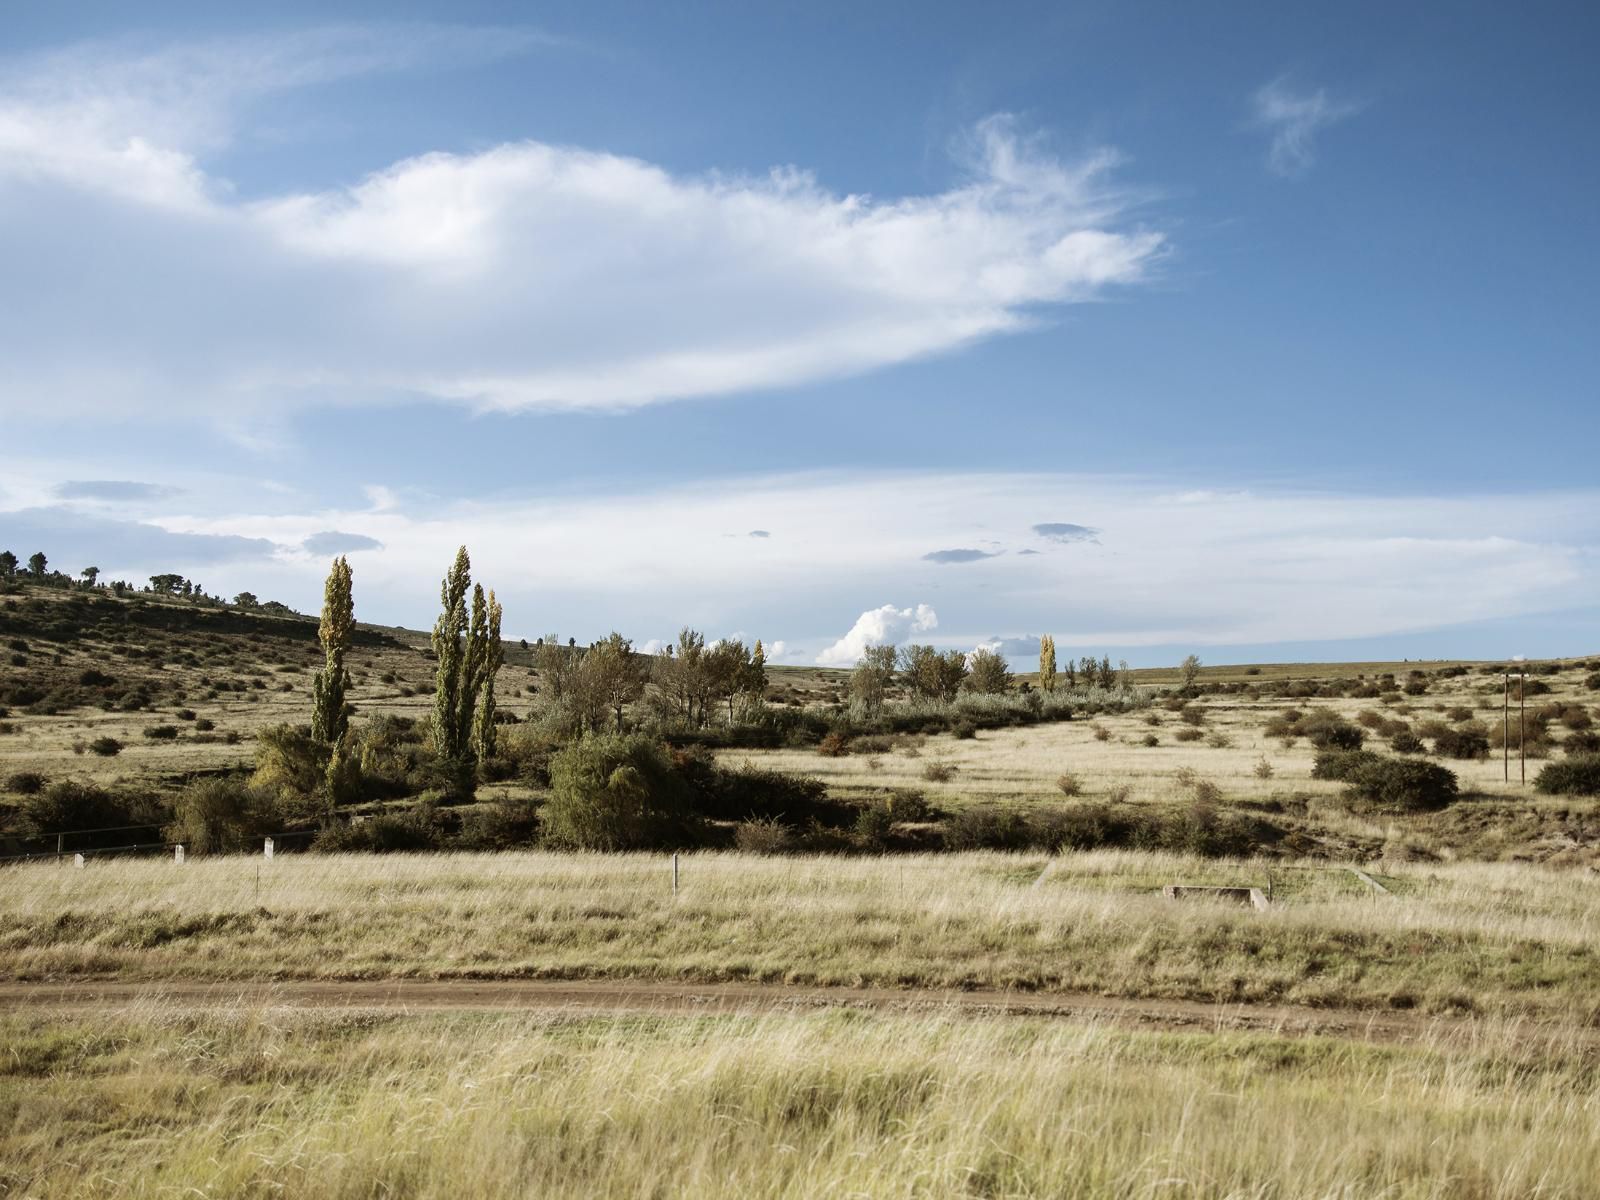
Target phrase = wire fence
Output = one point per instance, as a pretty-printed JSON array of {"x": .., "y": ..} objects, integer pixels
[{"x": 286, "y": 841}]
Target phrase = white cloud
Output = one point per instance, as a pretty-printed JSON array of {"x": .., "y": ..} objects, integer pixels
[
  {"x": 875, "y": 627},
  {"x": 1258, "y": 566},
  {"x": 1294, "y": 119},
  {"x": 524, "y": 276}
]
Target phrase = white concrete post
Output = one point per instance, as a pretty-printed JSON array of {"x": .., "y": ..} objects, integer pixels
[
  {"x": 77, "y": 860},
  {"x": 674, "y": 871},
  {"x": 267, "y": 849},
  {"x": 177, "y": 853}
]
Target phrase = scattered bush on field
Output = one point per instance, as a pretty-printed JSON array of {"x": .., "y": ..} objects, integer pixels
[
  {"x": 387, "y": 833},
  {"x": 1402, "y": 783},
  {"x": 160, "y": 733},
  {"x": 834, "y": 745},
  {"x": 26, "y": 783},
  {"x": 1575, "y": 776},
  {"x": 1406, "y": 742},
  {"x": 1466, "y": 742},
  {"x": 940, "y": 772},
  {"x": 105, "y": 747},
  {"x": 763, "y": 835},
  {"x": 1263, "y": 769},
  {"x": 1067, "y": 784}
]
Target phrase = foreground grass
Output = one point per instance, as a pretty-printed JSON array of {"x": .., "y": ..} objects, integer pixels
[
  {"x": 1491, "y": 939},
  {"x": 154, "y": 1101}
]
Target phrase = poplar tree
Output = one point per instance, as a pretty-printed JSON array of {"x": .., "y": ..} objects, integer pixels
[
  {"x": 1047, "y": 663},
  {"x": 493, "y": 657},
  {"x": 461, "y": 645},
  {"x": 329, "y": 718}
]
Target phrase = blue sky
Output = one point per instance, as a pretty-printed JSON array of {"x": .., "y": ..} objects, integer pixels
[{"x": 1290, "y": 306}]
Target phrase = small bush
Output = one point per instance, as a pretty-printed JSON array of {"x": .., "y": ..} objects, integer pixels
[
  {"x": 1067, "y": 784},
  {"x": 184, "y": 714},
  {"x": 1578, "y": 775},
  {"x": 1150, "y": 739},
  {"x": 388, "y": 833},
  {"x": 220, "y": 816},
  {"x": 763, "y": 836},
  {"x": 105, "y": 747},
  {"x": 1406, "y": 742},
  {"x": 940, "y": 772},
  {"x": 1461, "y": 743},
  {"x": 873, "y": 826},
  {"x": 1101, "y": 733},
  {"x": 1263, "y": 769},
  {"x": 26, "y": 783},
  {"x": 1218, "y": 740},
  {"x": 1402, "y": 783},
  {"x": 834, "y": 745},
  {"x": 908, "y": 804},
  {"x": 204, "y": 724},
  {"x": 1188, "y": 734},
  {"x": 965, "y": 730},
  {"x": 160, "y": 733},
  {"x": 1578, "y": 744}
]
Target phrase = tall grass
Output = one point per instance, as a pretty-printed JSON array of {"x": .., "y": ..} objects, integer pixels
[
  {"x": 1488, "y": 938},
  {"x": 273, "y": 1102}
]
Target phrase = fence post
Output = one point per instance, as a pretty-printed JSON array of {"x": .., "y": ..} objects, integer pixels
[
  {"x": 266, "y": 850},
  {"x": 674, "y": 872},
  {"x": 77, "y": 861},
  {"x": 177, "y": 853}
]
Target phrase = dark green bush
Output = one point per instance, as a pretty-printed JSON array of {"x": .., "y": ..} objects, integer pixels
[
  {"x": 105, "y": 747},
  {"x": 1406, "y": 742},
  {"x": 160, "y": 733},
  {"x": 26, "y": 783},
  {"x": 221, "y": 816},
  {"x": 506, "y": 822},
  {"x": 72, "y": 807},
  {"x": 1402, "y": 783},
  {"x": 1341, "y": 764},
  {"x": 1461, "y": 743},
  {"x": 1587, "y": 742},
  {"x": 617, "y": 792},
  {"x": 1578, "y": 775},
  {"x": 388, "y": 833}
]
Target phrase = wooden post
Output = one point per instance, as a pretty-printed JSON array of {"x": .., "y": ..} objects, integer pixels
[
  {"x": 1522, "y": 726},
  {"x": 674, "y": 872},
  {"x": 1505, "y": 731}
]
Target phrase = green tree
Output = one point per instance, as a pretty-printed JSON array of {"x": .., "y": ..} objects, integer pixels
[
  {"x": 614, "y": 675},
  {"x": 330, "y": 719},
  {"x": 1047, "y": 663},
  {"x": 727, "y": 666},
  {"x": 755, "y": 675},
  {"x": 8, "y": 565},
  {"x": 90, "y": 574},
  {"x": 617, "y": 793},
  {"x": 987, "y": 673},
  {"x": 683, "y": 677},
  {"x": 37, "y": 563},
  {"x": 933, "y": 675},
  {"x": 461, "y": 646},
  {"x": 1190, "y": 667},
  {"x": 493, "y": 657},
  {"x": 246, "y": 600},
  {"x": 873, "y": 676}
]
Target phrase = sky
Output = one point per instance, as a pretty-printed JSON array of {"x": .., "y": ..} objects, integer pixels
[{"x": 1256, "y": 331}]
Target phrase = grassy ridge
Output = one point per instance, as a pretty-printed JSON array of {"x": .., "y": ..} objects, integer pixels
[
  {"x": 268, "y": 1102},
  {"x": 1465, "y": 938}
]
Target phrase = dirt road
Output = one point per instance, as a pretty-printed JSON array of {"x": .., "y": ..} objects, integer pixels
[{"x": 607, "y": 996}]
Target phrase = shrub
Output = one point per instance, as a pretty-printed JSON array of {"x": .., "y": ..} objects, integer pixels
[
  {"x": 1188, "y": 734},
  {"x": 1341, "y": 765},
  {"x": 160, "y": 733},
  {"x": 204, "y": 724},
  {"x": 1328, "y": 731},
  {"x": 1263, "y": 769},
  {"x": 1102, "y": 734},
  {"x": 617, "y": 792},
  {"x": 105, "y": 747},
  {"x": 184, "y": 714},
  {"x": 1461, "y": 743},
  {"x": 387, "y": 833},
  {"x": 1067, "y": 783},
  {"x": 1406, "y": 742},
  {"x": 68, "y": 806},
  {"x": 1402, "y": 783},
  {"x": 872, "y": 827},
  {"x": 1218, "y": 740},
  {"x": 834, "y": 745},
  {"x": 1150, "y": 739},
  {"x": 1592, "y": 683},
  {"x": 983, "y": 827},
  {"x": 1578, "y": 775},
  {"x": 940, "y": 772},
  {"x": 220, "y": 816},
  {"x": 763, "y": 835},
  {"x": 1582, "y": 743},
  {"x": 502, "y": 824},
  {"x": 290, "y": 767},
  {"x": 965, "y": 730},
  {"x": 908, "y": 804}
]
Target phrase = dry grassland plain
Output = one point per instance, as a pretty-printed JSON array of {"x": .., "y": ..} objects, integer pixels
[{"x": 1484, "y": 951}]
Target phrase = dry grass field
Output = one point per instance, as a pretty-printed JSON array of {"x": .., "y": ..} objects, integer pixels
[{"x": 1435, "y": 1035}]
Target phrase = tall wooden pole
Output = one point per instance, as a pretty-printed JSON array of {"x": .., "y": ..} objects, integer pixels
[
  {"x": 1522, "y": 726},
  {"x": 1505, "y": 731}
]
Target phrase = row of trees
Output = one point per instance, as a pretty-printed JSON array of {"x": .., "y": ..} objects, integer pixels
[{"x": 927, "y": 673}]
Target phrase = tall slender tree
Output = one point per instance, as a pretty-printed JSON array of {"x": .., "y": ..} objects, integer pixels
[
  {"x": 461, "y": 645},
  {"x": 483, "y": 737},
  {"x": 329, "y": 716},
  {"x": 1047, "y": 663}
]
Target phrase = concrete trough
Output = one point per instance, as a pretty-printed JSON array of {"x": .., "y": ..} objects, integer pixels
[{"x": 1254, "y": 897}]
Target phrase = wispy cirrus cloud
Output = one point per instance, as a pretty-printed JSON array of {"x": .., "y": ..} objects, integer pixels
[
  {"x": 1293, "y": 118},
  {"x": 425, "y": 278},
  {"x": 114, "y": 490}
]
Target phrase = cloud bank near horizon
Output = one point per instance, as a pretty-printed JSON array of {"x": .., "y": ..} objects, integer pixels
[{"x": 1177, "y": 567}]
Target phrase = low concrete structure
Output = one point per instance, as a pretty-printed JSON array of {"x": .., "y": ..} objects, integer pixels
[{"x": 1254, "y": 897}]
